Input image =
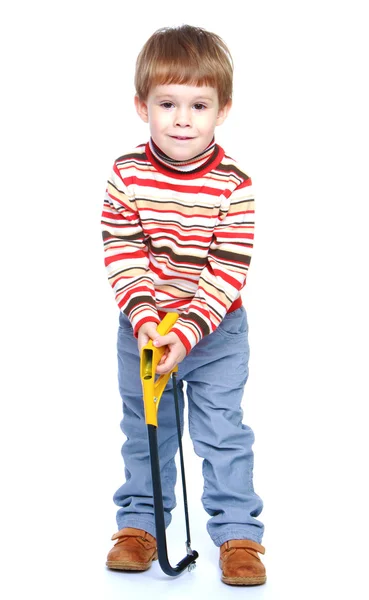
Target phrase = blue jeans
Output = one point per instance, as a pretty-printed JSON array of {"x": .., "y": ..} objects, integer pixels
[{"x": 216, "y": 372}]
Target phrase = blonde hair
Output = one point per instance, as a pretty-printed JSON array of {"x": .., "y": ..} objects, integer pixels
[{"x": 185, "y": 55}]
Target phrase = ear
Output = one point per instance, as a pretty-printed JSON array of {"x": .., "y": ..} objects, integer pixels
[
  {"x": 141, "y": 108},
  {"x": 223, "y": 112}
]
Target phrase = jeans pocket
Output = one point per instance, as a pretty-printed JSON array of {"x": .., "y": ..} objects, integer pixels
[{"x": 234, "y": 324}]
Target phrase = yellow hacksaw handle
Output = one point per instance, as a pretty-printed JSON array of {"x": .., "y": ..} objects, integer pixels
[{"x": 153, "y": 386}]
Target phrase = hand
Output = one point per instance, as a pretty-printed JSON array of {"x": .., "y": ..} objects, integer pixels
[
  {"x": 146, "y": 333},
  {"x": 174, "y": 353}
]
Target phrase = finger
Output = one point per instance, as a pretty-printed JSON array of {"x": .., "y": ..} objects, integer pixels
[
  {"x": 168, "y": 365},
  {"x": 166, "y": 362},
  {"x": 162, "y": 340},
  {"x": 142, "y": 341},
  {"x": 163, "y": 358},
  {"x": 165, "y": 367}
]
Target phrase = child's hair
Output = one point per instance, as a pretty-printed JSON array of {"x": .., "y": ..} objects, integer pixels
[{"x": 185, "y": 55}]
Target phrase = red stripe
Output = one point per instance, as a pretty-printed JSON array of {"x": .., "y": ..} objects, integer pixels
[
  {"x": 226, "y": 277},
  {"x": 178, "y": 236},
  {"x": 111, "y": 259},
  {"x": 142, "y": 321},
  {"x": 231, "y": 235},
  {"x": 236, "y": 304},
  {"x": 218, "y": 177},
  {"x": 112, "y": 216},
  {"x": 164, "y": 185}
]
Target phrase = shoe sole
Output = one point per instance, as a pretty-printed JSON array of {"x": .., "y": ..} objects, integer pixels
[
  {"x": 244, "y": 580},
  {"x": 129, "y": 566}
]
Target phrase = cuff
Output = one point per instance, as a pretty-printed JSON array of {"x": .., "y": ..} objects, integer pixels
[
  {"x": 147, "y": 314},
  {"x": 188, "y": 336}
]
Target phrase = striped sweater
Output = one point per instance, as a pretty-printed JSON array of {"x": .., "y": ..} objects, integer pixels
[{"x": 177, "y": 240}]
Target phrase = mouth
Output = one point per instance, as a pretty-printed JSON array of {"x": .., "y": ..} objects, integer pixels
[{"x": 181, "y": 138}]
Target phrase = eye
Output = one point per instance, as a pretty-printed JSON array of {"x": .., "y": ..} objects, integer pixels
[
  {"x": 199, "y": 106},
  {"x": 167, "y": 105}
]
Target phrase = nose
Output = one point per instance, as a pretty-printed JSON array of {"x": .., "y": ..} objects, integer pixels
[{"x": 183, "y": 117}]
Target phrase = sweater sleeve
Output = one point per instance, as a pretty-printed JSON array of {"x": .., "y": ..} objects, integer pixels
[
  {"x": 126, "y": 255},
  {"x": 224, "y": 275}
]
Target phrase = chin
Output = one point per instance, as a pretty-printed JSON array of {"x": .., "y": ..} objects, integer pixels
[{"x": 178, "y": 153}]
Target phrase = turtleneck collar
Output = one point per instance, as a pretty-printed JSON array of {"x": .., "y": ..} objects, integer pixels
[{"x": 187, "y": 166}]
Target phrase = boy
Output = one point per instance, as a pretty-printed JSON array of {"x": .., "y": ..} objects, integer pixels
[{"x": 178, "y": 232}]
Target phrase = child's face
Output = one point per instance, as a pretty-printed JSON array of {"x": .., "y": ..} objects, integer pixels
[{"x": 182, "y": 118}]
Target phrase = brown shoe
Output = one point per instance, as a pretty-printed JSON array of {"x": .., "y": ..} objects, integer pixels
[
  {"x": 134, "y": 551},
  {"x": 241, "y": 564}
]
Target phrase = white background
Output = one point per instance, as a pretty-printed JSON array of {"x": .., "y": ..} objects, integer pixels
[{"x": 299, "y": 126}]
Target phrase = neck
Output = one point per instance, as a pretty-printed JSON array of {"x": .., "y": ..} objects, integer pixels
[{"x": 183, "y": 165}]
